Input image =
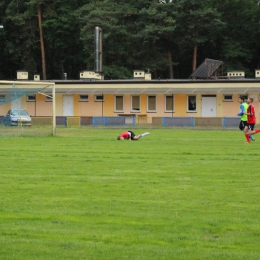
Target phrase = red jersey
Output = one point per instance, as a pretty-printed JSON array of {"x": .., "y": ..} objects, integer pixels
[
  {"x": 126, "y": 135},
  {"x": 251, "y": 118}
]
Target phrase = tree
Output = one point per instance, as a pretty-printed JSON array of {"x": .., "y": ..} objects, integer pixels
[
  {"x": 157, "y": 28},
  {"x": 20, "y": 40},
  {"x": 64, "y": 47},
  {"x": 48, "y": 6},
  {"x": 163, "y": 38},
  {"x": 239, "y": 41},
  {"x": 197, "y": 22},
  {"x": 110, "y": 17}
]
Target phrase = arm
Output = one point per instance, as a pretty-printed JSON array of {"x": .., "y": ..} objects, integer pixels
[
  {"x": 242, "y": 110},
  {"x": 250, "y": 111}
]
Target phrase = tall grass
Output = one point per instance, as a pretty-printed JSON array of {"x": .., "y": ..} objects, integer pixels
[{"x": 176, "y": 194}]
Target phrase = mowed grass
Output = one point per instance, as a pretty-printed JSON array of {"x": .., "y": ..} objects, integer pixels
[{"x": 176, "y": 194}]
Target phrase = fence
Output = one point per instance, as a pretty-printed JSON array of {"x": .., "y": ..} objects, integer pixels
[
  {"x": 230, "y": 121},
  {"x": 132, "y": 121},
  {"x": 178, "y": 121},
  {"x": 113, "y": 120},
  {"x": 199, "y": 121}
]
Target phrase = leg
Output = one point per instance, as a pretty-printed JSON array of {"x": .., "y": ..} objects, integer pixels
[
  {"x": 144, "y": 134},
  {"x": 245, "y": 129},
  {"x": 251, "y": 128},
  {"x": 252, "y": 132},
  {"x": 133, "y": 136}
]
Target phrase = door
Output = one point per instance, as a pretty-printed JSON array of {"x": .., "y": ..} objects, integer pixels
[
  {"x": 209, "y": 106},
  {"x": 68, "y": 106}
]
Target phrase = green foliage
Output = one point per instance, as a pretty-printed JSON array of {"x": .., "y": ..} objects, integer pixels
[
  {"x": 111, "y": 17},
  {"x": 241, "y": 34},
  {"x": 64, "y": 49},
  {"x": 85, "y": 195},
  {"x": 20, "y": 40},
  {"x": 136, "y": 35}
]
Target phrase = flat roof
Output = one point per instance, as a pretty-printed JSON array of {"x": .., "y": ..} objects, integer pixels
[{"x": 188, "y": 86}]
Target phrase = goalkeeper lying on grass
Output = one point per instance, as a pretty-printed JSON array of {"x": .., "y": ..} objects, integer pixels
[{"x": 129, "y": 135}]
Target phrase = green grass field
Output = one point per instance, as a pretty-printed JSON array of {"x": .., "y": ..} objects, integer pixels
[{"x": 176, "y": 194}]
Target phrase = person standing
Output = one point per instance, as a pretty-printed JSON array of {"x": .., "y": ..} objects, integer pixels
[
  {"x": 129, "y": 135},
  {"x": 243, "y": 126},
  {"x": 251, "y": 120}
]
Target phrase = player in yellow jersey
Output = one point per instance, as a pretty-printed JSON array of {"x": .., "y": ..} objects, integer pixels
[{"x": 243, "y": 125}]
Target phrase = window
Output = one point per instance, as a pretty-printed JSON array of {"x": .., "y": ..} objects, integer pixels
[
  {"x": 31, "y": 98},
  {"x": 99, "y": 98},
  {"x": 48, "y": 98},
  {"x": 2, "y": 98},
  {"x": 191, "y": 104},
  {"x": 135, "y": 104},
  {"x": 119, "y": 103},
  {"x": 169, "y": 103},
  {"x": 228, "y": 98},
  {"x": 151, "y": 104},
  {"x": 83, "y": 98}
]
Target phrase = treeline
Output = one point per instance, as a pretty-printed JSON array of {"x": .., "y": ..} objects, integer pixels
[{"x": 51, "y": 37}]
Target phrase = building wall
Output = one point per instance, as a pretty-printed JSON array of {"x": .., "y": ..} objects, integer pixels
[
  {"x": 230, "y": 108},
  {"x": 143, "y": 105},
  {"x": 59, "y": 104},
  {"x": 127, "y": 104},
  {"x": 109, "y": 105},
  {"x": 219, "y": 103},
  {"x": 76, "y": 104},
  {"x": 91, "y": 107},
  {"x": 43, "y": 107},
  {"x": 160, "y": 107},
  {"x": 96, "y": 108},
  {"x": 84, "y": 108},
  {"x": 30, "y": 107},
  {"x": 180, "y": 105},
  {"x": 4, "y": 109}
]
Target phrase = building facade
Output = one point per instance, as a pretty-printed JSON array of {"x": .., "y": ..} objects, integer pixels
[{"x": 141, "y": 98}]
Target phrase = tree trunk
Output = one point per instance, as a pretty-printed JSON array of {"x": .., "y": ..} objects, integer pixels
[
  {"x": 62, "y": 71},
  {"x": 170, "y": 64},
  {"x": 155, "y": 74},
  {"x": 194, "y": 63},
  {"x": 42, "y": 43}
]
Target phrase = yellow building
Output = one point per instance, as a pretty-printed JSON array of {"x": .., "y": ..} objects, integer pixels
[
  {"x": 144, "y": 99},
  {"x": 141, "y": 97}
]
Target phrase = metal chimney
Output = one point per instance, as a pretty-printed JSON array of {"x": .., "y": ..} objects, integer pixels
[{"x": 98, "y": 50}]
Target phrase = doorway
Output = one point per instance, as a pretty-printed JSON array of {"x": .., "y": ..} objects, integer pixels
[
  {"x": 68, "y": 106},
  {"x": 209, "y": 106}
]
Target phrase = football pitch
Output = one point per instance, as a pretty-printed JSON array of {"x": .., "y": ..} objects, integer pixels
[{"x": 175, "y": 194}]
